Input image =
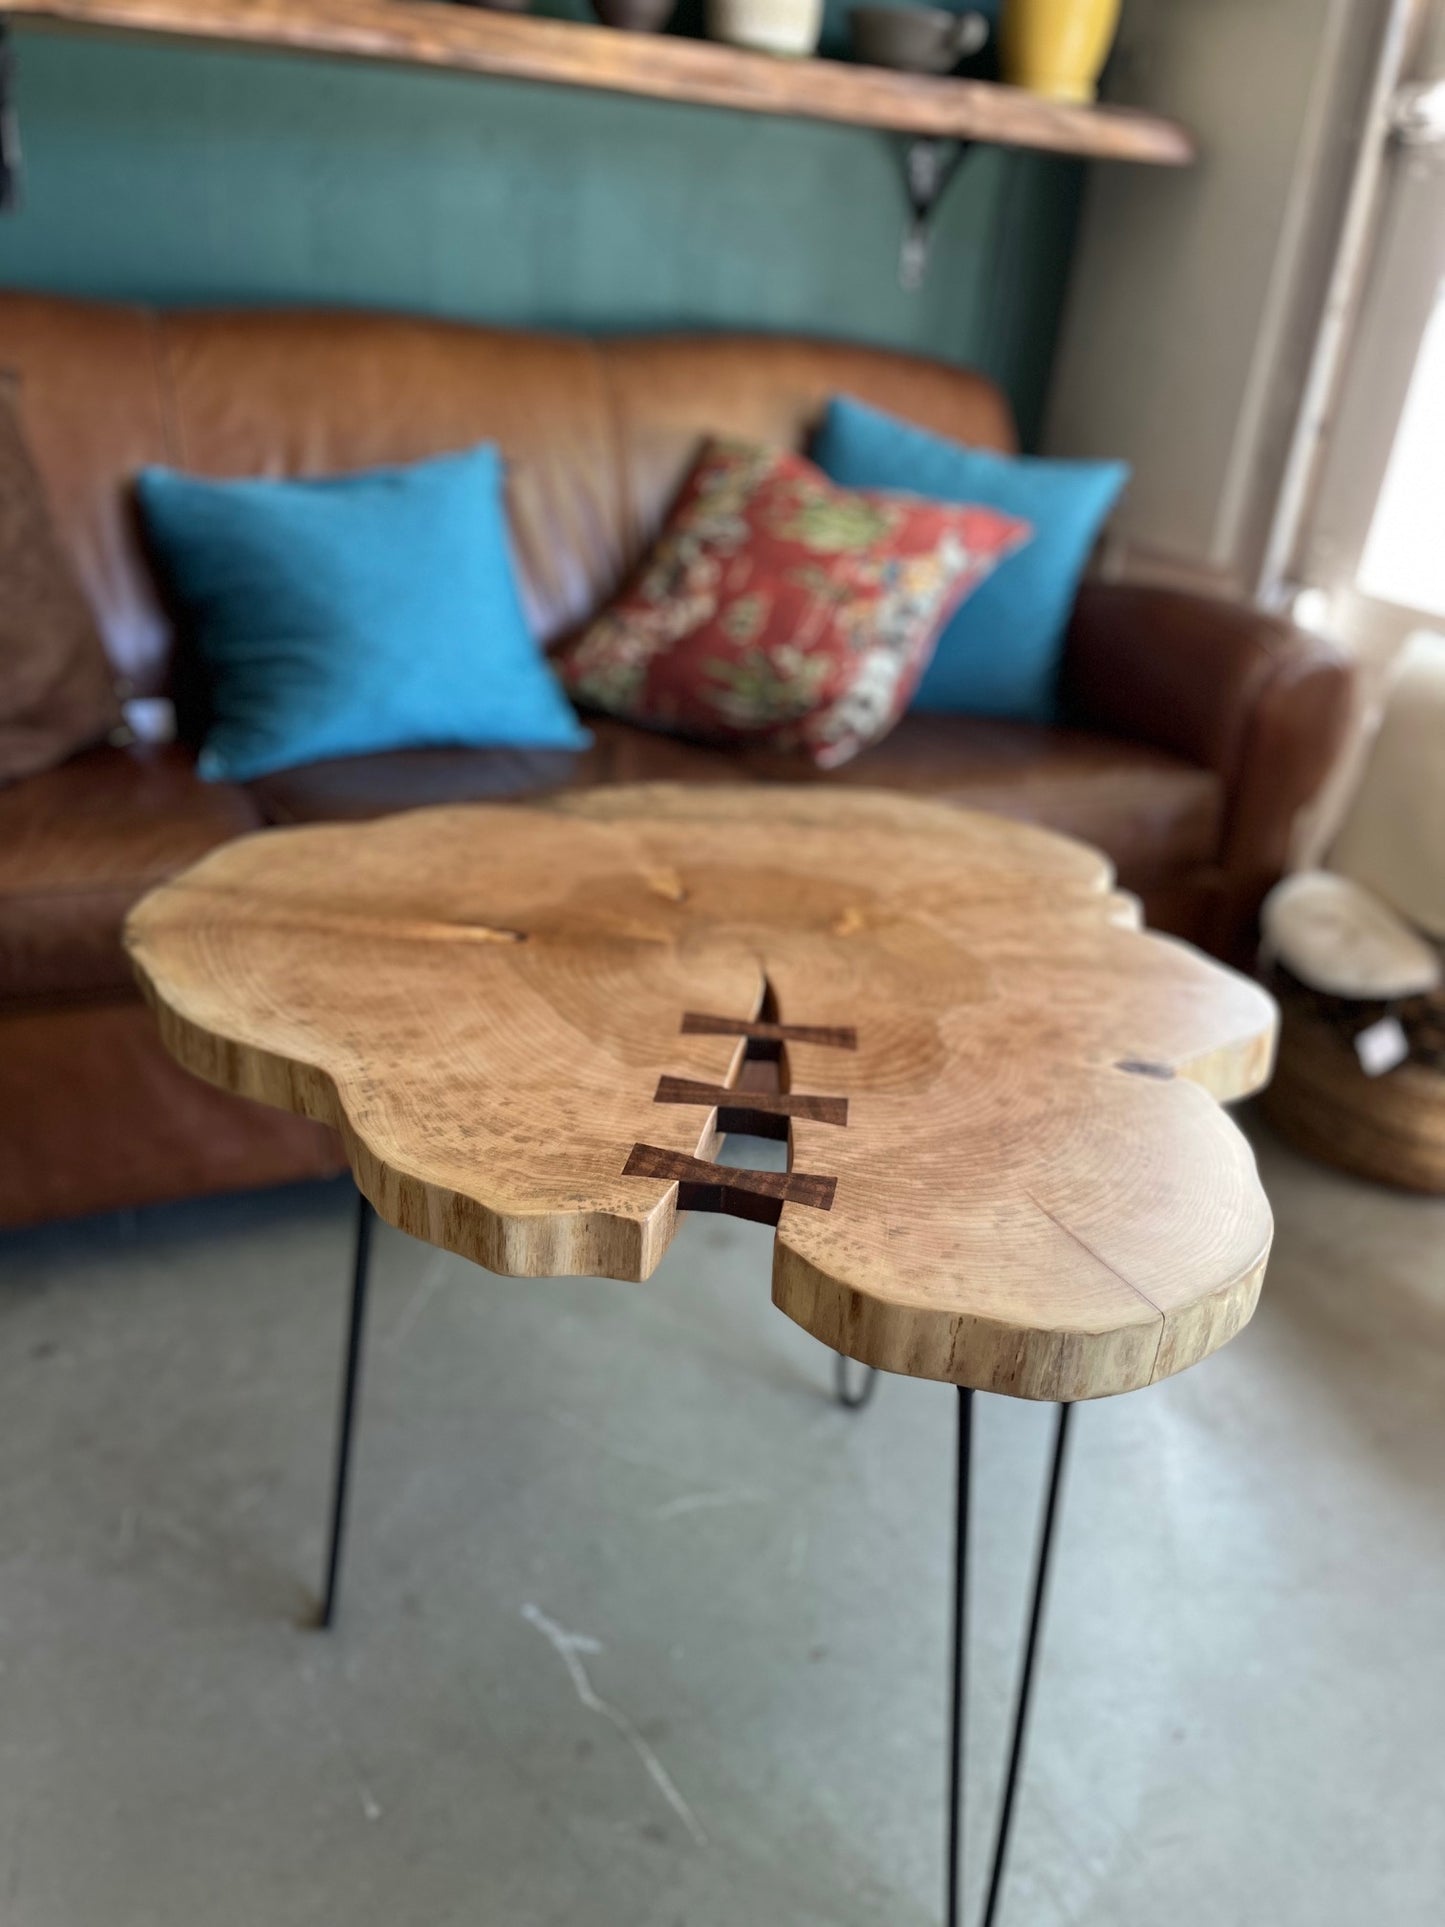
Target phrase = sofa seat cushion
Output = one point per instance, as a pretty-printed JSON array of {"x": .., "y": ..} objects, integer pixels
[
  {"x": 356, "y": 787},
  {"x": 111, "y": 1120},
  {"x": 1156, "y": 816},
  {"x": 80, "y": 843}
]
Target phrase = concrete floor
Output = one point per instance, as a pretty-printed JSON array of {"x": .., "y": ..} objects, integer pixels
[{"x": 640, "y": 1631}]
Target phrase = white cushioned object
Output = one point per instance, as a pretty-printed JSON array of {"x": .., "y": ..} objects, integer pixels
[{"x": 1341, "y": 939}]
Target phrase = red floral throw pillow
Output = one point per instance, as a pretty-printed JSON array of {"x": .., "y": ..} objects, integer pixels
[{"x": 779, "y": 608}]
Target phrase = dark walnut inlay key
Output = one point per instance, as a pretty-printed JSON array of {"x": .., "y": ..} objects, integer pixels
[{"x": 756, "y": 1195}]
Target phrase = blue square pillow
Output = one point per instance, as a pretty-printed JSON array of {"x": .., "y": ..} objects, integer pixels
[
  {"x": 1000, "y": 654},
  {"x": 354, "y": 613}
]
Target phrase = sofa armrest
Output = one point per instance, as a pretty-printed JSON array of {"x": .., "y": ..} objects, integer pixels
[{"x": 1262, "y": 703}]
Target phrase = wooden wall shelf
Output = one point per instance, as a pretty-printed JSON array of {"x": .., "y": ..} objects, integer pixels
[{"x": 660, "y": 67}]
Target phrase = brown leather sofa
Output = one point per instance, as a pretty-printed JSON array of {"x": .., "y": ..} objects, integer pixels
[{"x": 1196, "y": 729}]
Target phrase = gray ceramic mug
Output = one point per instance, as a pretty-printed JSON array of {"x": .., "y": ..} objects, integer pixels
[{"x": 921, "y": 40}]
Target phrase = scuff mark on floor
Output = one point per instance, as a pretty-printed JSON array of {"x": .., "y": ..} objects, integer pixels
[
  {"x": 426, "y": 1288},
  {"x": 366, "y": 1799},
  {"x": 705, "y": 1502},
  {"x": 569, "y": 1648}
]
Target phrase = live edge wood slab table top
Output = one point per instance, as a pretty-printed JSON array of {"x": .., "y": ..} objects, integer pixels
[{"x": 1009, "y": 1165}]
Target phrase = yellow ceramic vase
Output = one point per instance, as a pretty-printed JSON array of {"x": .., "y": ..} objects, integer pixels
[{"x": 1057, "y": 47}]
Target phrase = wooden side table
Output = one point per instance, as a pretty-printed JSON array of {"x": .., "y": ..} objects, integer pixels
[{"x": 1009, "y": 1168}]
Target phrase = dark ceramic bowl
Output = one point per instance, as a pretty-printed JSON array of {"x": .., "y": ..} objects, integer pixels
[{"x": 635, "y": 16}]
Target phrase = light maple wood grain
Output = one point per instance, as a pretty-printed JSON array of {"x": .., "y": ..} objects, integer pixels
[
  {"x": 1031, "y": 1185},
  {"x": 662, "y": 67}
]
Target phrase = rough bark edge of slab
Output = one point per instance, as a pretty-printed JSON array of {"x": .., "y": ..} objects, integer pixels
[
  {"x": 992, "y": 1355},
  {"x": 514, "y": 1244}
]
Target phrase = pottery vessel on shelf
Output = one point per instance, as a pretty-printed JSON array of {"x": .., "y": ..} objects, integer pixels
[
  {"x": 767, "y": 26},
  {"x": 635, "y": 16},
  {"x": 920, "y": 40},
  {"x": 1057, "y": 47}
]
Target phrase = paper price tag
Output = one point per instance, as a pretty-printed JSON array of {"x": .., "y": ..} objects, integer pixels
[{"x": 1381, "y": 1046}]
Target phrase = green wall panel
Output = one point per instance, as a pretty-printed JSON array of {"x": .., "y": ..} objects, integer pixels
[{"x": 175, "y": 175}]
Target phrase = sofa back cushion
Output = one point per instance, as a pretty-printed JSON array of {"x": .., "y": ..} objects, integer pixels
[
  {"x": 671, "y": 392},
  {"x": 290, "y": 395},
  {"x": 597, "y": 436}
]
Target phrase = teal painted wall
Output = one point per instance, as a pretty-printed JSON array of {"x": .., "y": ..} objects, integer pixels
[{"x": 175, "y": 175}]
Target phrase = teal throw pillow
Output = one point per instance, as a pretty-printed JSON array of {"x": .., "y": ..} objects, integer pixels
[
  {"x": 1000, "y": 655},
  {"x": 354, "y": 613}
]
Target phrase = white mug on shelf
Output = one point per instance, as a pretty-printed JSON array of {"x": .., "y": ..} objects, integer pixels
[{"x": 767, "y": 26}]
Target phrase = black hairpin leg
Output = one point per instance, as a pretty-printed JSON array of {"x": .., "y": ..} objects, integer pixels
[
  {"x": 954, "y": 1880},
  {"x": 1031, "y": 1652},
  {"x": 349, "y": 1387},
  {"x": 953, "y": 1912},
  {"x": 843, "y": 1386}
]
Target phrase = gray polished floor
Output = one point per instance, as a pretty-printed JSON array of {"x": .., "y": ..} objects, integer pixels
[{"x": 638, "y": 1630}]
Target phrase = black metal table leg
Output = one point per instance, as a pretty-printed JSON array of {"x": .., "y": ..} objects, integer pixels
[
  {"x": 350, "y": 1385},
  {"x": 955, "y": 1895},
  {"x": 1031, "y": 1652},
  {"x": 843, "y": 1388},
  {"x": 954, "y": 1880}
]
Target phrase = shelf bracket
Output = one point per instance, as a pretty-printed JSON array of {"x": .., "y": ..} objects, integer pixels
[
  {"x": 9, "y": 125},
  {"x": 929, "y": 164}
]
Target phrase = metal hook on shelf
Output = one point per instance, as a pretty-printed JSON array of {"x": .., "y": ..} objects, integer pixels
[{"x": 929, "y": 164}]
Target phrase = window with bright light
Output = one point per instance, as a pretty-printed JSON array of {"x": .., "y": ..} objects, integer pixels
[{"x": 1404, "y": 558}]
